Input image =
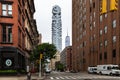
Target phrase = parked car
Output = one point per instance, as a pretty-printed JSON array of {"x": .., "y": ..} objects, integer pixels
[
  {"x": 47, "y": 71},
  {"x": 92, "y": 69}
]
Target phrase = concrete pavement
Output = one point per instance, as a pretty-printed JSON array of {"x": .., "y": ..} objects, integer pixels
[{"x": 22, "y": 77}]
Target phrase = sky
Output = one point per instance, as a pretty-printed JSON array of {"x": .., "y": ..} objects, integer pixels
[{"x": 43, "y": 16}]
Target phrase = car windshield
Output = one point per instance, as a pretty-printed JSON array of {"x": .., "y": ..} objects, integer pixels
[{"x": 115, "y": 67}]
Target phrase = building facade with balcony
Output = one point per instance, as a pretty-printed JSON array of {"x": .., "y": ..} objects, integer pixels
[
  {"x": 95, "y": 33},
  {"x": 18, "y": 35}
]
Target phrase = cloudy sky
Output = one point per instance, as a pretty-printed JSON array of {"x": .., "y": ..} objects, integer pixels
[{"x": 43, "y": 16}]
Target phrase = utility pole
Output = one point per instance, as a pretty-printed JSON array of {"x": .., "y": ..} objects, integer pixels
[{"x": 40, "y": 65}]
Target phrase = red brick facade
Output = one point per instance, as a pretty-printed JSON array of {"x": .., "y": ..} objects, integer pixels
[
  {"x": 18, "y": 32},
  {"x": 95, "y": 36},
  {"x": 66, "y": 58}
]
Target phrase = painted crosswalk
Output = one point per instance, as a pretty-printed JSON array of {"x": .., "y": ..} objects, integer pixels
[
  {"x": 82, "y": 78},
  {"x": 62, "y": 77}
]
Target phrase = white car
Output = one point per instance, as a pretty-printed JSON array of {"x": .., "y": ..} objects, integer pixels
[
  {"x": 47, "y": 71},
  {"x": 92, "y": 69}
]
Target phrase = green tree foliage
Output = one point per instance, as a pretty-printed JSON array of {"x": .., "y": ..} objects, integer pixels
[
  {"x": 48, "y": 51},
  {"x": 59, "y": 66}
]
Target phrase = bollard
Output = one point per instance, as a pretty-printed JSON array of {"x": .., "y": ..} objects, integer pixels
[{"x": 29, "y": 76}]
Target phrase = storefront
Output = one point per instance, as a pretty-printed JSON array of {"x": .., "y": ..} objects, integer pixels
[{"x": 12, "y": 58}]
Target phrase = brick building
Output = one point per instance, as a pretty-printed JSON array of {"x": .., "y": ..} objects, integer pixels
[
  {"x": 95, "y": 33},
  {"x": 18, "y": 33},
  {"x": 66, "y": 57}
]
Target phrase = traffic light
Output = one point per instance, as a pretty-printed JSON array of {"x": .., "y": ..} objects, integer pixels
[
  {"x": 103, "y": 6},
  {"x": 113, "y": 4}
]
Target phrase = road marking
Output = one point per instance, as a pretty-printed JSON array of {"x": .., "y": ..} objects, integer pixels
[
  {"x": 51, "y": 78},
  {"x": 72, "y": 77},
  {"x": 67, "y": 77},
  {"x": 61, "y": 77},
  {"x": 57, "y": 78},
  {"x": 84, "y": 77}
]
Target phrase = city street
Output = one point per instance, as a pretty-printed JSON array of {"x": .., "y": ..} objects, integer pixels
[
  {"x": 79, "y": 76},
  {"x": 64, "y": 76}
]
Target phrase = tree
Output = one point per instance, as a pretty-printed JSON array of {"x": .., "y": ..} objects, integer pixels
[
  {"x": 59, "y": 66},
  {"x": 48, "y": 51}
]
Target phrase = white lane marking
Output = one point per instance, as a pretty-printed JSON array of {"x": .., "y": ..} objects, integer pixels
[
  {"x": 57, "y": 78},
  {"x": 72, "y": 77},
  {"x": 61, "y": 77},
  {"x": 67, "y": 77},
  {"x": 51, "y": 78}
]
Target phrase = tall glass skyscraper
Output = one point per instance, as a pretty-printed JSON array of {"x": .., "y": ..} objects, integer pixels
[
  {"x": 67, "y": 41},
  {"x": 57, "y": 27}
]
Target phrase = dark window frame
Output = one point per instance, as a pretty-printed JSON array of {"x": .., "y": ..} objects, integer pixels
[
  {"x": 100, "y": 57},
  {"x": 114, "y": 53},
  {"x": 7, "y": 36},
  {"x": 105, "y": 55}
]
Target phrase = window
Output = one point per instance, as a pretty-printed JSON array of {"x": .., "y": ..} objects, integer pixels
[
  {"x": 94, "y": 23},
  {"x": 94, "y": 36},
  {"x": 19, "y": 36},
  {"x": 90, "y": 9},
  {"x": 105, "y": 55},
  {"x": 104, "y": 67},
  {"x": 101, "y": 44},
  {"x": 90, "y": 18},
  {"x": 94, "y": 14},
  {"x": 100, "y": 56},
  {"x": 6, "y": 9},
  {"x": 114, "y": 24},
  {"x": 90, "y": 1},
  {"x": 19, "y": 14},
  {"x": 114, "y": 53},
  {"x": 105, "y": 29},
  {"x": 23, "y": 41},
  {"x": 94, "y": 5},
  {"x": 114, "y": 39},
  {"x": 106, "y": 15},
  {"x": 100, "y": 32},
  {"x": 84, "y": 60},
  {"x": 100, "y": 18},
  {"x": 105, "y": 43},
  {"x": 90, "y": 27},
  {"x": 7, "y": 34},
  {"x": 91, "y": 38}
]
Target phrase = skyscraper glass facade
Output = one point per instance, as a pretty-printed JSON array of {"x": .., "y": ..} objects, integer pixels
[{"x": 57, "y": 27}]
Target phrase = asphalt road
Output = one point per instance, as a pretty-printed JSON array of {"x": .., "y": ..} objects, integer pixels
[{"x": 78, "y": 76}]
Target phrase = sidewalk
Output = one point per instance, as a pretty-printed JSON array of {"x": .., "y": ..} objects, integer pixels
[{"x": 22, "y": 77}]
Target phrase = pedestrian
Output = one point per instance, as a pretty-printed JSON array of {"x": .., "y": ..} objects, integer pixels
[{"x": 28, "y": 76}]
